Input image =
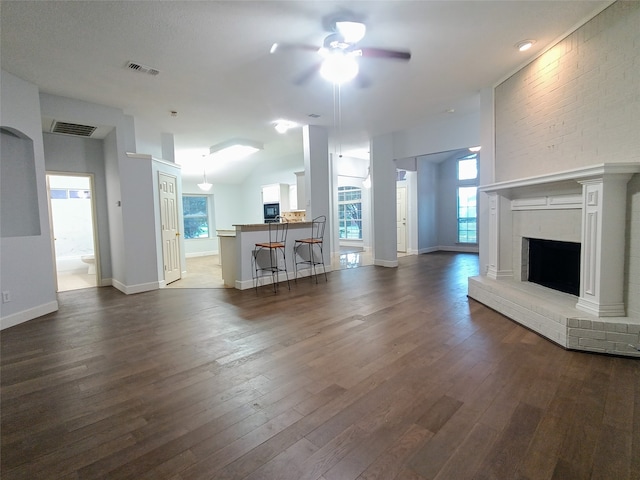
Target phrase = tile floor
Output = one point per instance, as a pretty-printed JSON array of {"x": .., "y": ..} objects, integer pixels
[{"x": 205, "y": 272}]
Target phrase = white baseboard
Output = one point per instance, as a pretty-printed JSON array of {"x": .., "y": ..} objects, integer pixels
[
  {"x": 206, "y": 253},
  {"x": 266, "y": 280},
  {"x": 385, "y": 263},
  {"x": 132, "y": 289},
  {"x": 459, "y": 248},
  {"x": 26, "y": 315}
]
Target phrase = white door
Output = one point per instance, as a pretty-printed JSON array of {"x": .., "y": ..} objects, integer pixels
[
  {"x": 170, "y": 232},
  {"x": 401, "y": 218}
]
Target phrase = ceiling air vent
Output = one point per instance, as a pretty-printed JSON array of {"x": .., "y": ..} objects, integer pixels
[
  {"x": 138, "y": 67},
  {"x": 73, "y": 129}
]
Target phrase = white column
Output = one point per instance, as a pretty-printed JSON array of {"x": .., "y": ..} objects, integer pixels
[
  {"x": 500, "y": 237},
  {"x": 604, "y": 201},
  {"x": 383, "y": 202},
  {"x": 317, "y": 182}
]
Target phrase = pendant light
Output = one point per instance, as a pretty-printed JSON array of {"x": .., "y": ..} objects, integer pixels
[{"x": 204, "y": 186}]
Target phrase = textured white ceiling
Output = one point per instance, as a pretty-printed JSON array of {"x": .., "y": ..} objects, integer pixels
[{"x": 217, "y": 73}]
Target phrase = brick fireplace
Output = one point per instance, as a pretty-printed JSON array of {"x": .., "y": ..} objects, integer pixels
[{"x": 585, "y": 206}]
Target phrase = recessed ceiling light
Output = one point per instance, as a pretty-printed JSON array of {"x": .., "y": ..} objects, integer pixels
[
  {"x": 283, "y": 125},
  {"x": 525, "y": 45}
]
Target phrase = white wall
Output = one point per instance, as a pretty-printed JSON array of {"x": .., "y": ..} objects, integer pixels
[
  {"x": 577, "y": 104},
  {"x": 26, "y": 270},
  {"x": 486, "y": 174},
  {"x": 151, "y": 140},
  {"x": 114, "y": 206},
  {"x": 427, "y": 199},
  {"x": 438, "y": 134}
]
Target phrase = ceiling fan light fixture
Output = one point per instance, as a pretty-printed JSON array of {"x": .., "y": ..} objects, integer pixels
[
  {"x": 339, "y": 68},
  {"x": 351, "y": 32}
]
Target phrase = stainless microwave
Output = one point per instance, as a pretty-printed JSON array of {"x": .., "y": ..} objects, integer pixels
[{"x": 271, "y": 212}]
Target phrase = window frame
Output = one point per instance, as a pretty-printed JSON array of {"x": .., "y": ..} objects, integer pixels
[
  {"x": 466, "y": 183},
  {"x": 206, "y": 216},
  {"x": 349, "y": 190}
]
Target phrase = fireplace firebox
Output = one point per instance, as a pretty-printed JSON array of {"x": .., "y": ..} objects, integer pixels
[{"x": 555, "y": 265}]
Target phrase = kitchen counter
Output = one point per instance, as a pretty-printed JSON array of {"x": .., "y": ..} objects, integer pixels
[{"x": 236, "y": 248}]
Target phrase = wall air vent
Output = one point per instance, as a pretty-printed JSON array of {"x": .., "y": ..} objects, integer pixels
[
  {"x": 138, "y": 67},
  {"x": 73, "y": 129}
]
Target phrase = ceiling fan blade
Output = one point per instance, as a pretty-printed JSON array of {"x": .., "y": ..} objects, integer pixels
[
  {"x": 305, "y": 76},
  {"x": 284, "y": 47},
  {"x": 384, "y": 53}
]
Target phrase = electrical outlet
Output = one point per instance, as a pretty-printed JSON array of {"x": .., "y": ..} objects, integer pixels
[{"x": 6, "y": 296}]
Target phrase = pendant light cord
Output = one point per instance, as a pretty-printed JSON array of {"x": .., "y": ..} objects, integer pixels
[{"x": 337, "y": 118}]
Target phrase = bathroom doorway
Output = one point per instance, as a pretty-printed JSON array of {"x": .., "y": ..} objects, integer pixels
[{"x": 73, "y": 230}]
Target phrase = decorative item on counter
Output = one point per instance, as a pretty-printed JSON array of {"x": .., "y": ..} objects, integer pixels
[{"x": 294, "y": 216}]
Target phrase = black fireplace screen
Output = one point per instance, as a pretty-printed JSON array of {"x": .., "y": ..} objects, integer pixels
[{"x": 555, "y": 265}]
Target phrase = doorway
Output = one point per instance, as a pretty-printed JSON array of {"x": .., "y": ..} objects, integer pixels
[
  {"x": 401, "y": 219},
  {"x": 73, "y": 230}
]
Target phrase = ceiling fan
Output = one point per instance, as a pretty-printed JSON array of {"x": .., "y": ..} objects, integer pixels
[{"x": 340, "y": 51}]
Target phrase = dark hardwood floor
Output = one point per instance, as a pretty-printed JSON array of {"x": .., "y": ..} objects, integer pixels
[{"x": 380, "y": 373}]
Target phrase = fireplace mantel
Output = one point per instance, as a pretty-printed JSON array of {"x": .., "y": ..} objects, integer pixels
[
  {"x": 599, "y": 193},
  {"x": 559, "y": 181}
]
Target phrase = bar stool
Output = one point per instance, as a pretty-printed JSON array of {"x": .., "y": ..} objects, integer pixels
[
  {"x": 266, "y": 255},
  {"x": 304, "y": 252}
]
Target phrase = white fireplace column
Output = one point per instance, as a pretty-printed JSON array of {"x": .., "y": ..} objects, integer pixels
[
  {"x": 603, "y": 244},
  {"x": 500, "y": 237}
]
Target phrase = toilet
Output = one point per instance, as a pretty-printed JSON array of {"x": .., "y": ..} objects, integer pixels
[{"x": 91, "y": 261}]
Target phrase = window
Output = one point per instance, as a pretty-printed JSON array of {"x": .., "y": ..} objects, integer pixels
[
  {"x": 350, "y": 213},
  {"x": 468, "y": 167},
  {"x": 196, "y": 216},
  {"x": 467, "y": 192}
]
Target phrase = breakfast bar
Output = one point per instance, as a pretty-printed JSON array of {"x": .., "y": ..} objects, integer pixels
[{"x": 236, "y": 248}]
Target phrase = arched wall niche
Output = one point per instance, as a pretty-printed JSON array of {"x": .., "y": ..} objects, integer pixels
[{"x": 19, "y": 211}]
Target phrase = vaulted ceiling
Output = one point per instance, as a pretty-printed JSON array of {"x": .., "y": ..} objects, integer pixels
[{"x": 216, "y": 72}]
